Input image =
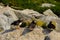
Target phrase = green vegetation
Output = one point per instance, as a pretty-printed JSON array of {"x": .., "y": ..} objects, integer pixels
[
  {"x": 1, "y": 29},
  {"x": 39, "y": 23},
  {"x": 33, "y": 4},
  {"x": 54, "y": 23}
]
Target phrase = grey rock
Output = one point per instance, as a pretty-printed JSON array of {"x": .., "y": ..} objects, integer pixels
[
  {"x": 27, "y": 13},
  {"x": 49, "y": 13},
  {"x": 7, "y": 16},
  {"x": 47, "y": 5}
]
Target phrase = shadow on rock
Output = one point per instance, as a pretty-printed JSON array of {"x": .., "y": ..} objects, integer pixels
[
  {"x": 25, "y": 31},
  {"x": 6, "y": 31},
  {"x": 47, "y": 31},
  {"x": 47, "y": 38}
]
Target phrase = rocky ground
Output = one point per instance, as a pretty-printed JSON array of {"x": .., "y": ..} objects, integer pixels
[
  {"x": 9, "y": 15},
  {"x": 37, "y": 34}
]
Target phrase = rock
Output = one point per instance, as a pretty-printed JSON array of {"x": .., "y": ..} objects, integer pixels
[
  {"x": 31, "y": 12},
  {"x": 49, "y": 16},
  {"x": 4, "y": 22},
  {"x": 55, "y": 22},
  {"x": 9, "y": 12},
  {"x": 47, "y": 19},
  {"x": 47, "y": 5},
  {"x": 28, "y": 14},
  {"x": 15, "y": 35},
  {"x": 36, "y": 34},
  {"x": 57, "y": 25},
  {"x": 49, "y": 13},
  {"x": 7, "y": 16},
  {"x": 19, "y": 14},
  {"x": 54, "y": 35},
  {"x": 1, "y": 4},
  {"x": 1, "y": 7}
]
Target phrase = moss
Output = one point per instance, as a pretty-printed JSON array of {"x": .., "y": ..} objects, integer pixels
[
  {"x": 27, "y": 23},
  {"x": 1, "y": 29},
  {"x": 54, "y": 23},
  {"x": 44, "y": 26},
  {"x": 39, "y": 22}
]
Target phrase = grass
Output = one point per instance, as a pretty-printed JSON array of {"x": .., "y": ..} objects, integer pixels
[{"x": 33, "y": 4}]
